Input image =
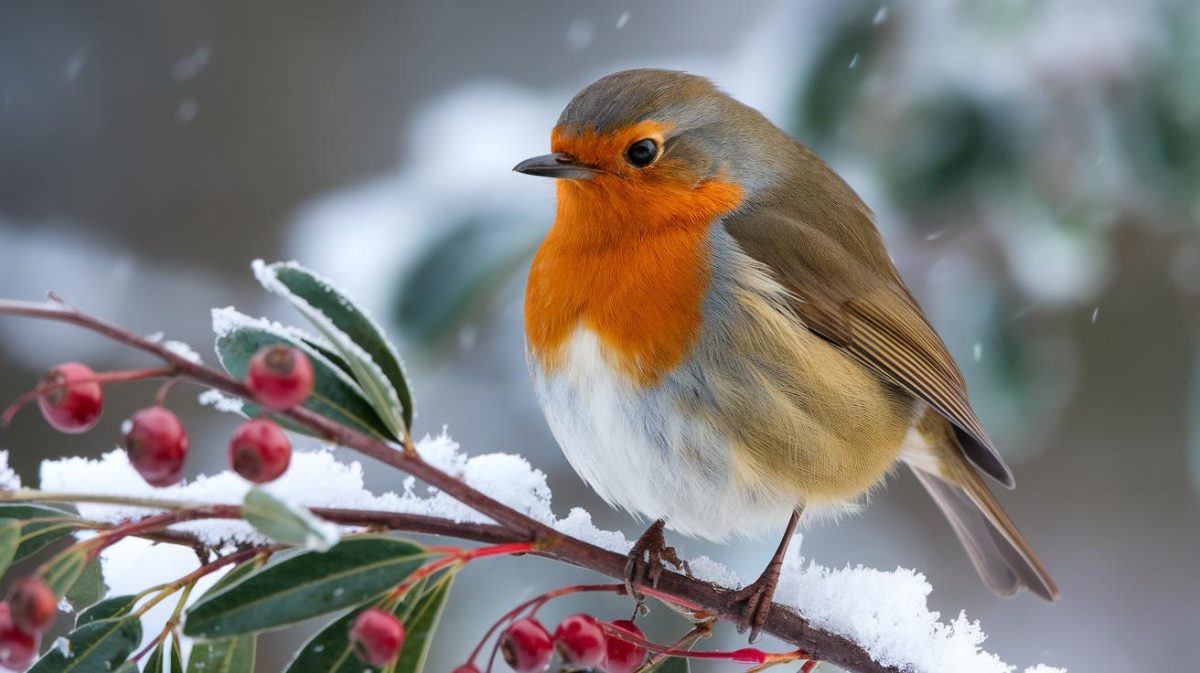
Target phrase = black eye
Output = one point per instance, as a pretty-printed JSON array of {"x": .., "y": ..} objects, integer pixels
[{"x": 642, "y": 153}]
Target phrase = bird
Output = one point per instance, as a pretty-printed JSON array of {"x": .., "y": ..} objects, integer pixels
[{"x": 720, "y": 341}]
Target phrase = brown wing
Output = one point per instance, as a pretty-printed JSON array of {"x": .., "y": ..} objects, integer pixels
[{"x": 847, "y": 290}]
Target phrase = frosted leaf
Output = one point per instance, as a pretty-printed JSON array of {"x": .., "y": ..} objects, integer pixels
[
  {"x": 372, "y": 379},
  {"x": 226, "y": 321}
]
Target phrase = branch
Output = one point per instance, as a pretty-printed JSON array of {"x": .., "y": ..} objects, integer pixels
[{"x": 513, "y": 526}]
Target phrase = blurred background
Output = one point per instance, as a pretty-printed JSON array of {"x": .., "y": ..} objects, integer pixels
[{"x": 1034, "y": 167}]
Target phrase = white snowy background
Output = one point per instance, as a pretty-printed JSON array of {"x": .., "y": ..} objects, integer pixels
[{"x": 150, "y": 153}]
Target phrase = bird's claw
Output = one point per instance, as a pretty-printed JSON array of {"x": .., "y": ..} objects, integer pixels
[
  {"x": 758, "y": 599},
  {"x": 647, "y": 559}
]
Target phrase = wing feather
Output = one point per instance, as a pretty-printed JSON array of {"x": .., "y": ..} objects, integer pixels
[{"x": 845, "y": 288}]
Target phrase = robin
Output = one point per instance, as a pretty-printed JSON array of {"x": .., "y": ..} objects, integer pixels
[{"x": 719, "y": 339}]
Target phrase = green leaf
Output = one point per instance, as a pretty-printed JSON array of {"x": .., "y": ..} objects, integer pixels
[
  {"x": 305, "y": 585},
  {"x": 227, "y": 655},
  {"x": 37, "y": 534},
  {"x": 420, "y": 617},
  {"x": 335, "y": 395},
  {"x": 98, "y": 646},
  {"x": 458, "y": 274},
  {"x": 89, "y": 588},
  {"x": 157, "y": 663},
  {"x": 330, "y": 651},
  {"x": 65, "y": 570},
  {"x": 287, "y": 523},
  {"x": 10, "y": 539},
  {"x": 239, "y": 573},
  {"x": 106, "y": 609},
  {"x": 166, "y": 658},
  {"x": 352, "y": 332}
]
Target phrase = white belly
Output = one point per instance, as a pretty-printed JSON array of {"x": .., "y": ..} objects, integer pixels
[{"x": 639, "y": 452}]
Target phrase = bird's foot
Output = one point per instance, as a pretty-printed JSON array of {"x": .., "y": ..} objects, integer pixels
[
  {"x": 647, "y": 560},
  {"x": 757, "y": 599}
]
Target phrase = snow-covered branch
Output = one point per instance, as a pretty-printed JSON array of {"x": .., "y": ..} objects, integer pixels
[{"x": 857, "y": 618}]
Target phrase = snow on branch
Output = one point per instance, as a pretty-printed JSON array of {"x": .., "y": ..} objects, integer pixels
[
  {"x": 858, "y": 618},
  {"x": 886, "y": 612}
]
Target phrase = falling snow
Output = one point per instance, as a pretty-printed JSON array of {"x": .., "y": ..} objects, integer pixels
[
  {"x": 580, "y": 34},
  {"x": 190, "y": 66},
  {"x": 187, "y": 111}
]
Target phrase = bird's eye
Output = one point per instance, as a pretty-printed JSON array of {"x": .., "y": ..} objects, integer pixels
[{"x": 642, "y": 153}]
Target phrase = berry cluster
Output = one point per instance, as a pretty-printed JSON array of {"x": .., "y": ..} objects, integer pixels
[
  {"x": 71, "y": 398},
  {"x": 581, "y": 641},
  {"x": 28, "y": 611}
]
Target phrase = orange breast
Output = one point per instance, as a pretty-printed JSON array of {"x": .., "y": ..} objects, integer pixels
[{"x": 628, "y": 260}]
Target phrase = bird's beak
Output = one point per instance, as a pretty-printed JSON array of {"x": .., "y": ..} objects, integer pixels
[{"x": 557, "y": 165}]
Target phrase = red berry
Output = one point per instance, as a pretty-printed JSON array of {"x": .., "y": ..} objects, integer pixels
[
  {"x": 377, "y": 637},
  {"x": 259, "y": 450},
  {"x": 75, "y": 402},
  {"x": 624, "y": 656},
  {"x": 280, "y": 377},
  {"x": 467, "y": 668},
  {"x": 157, "y": 444},
  {"x": 17, "y": 648},
  {"x": 32, "y": 604},
  {"x": 580, "y": 640},
  {"x": 527, "y": 646}
]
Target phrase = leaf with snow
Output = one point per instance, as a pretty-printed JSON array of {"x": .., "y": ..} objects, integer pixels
[
  {"x": 358, "y": 339},
  {"x": 101, "y": 645},
  {"x": 335, "y": 395},
  {"x": 287, "y": 523}
]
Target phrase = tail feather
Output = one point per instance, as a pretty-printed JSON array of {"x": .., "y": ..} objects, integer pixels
[{"x": 997, "y": 549}]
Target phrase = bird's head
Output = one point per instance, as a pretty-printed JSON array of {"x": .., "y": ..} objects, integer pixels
[{"x": 657, "y": 146}]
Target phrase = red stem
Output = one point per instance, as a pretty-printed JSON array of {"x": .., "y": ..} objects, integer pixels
[
  {"x": 459, "y": 556},
  {"x": 745, "y": 655},
  {"x": 537, "y": 602},
  {"x": 103, "y": 377}
]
